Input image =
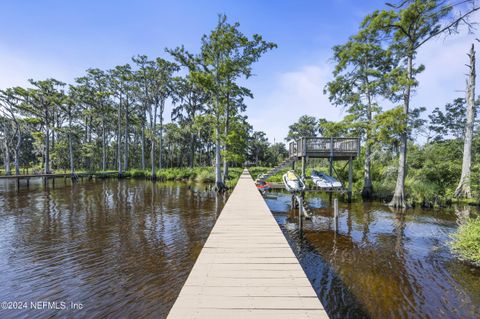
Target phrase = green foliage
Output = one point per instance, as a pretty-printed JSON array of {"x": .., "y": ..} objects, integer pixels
[
  {"x": 466, "y": 241},
  {"x": 204, "y": 176},
  {"x": 389, "y": 125},
  {"x": 306, "y": 126},
  {"x": 361, "y": 75},
  {"x": 258, "y": 146},
  {"x": 451, "y": 121},
  {"x": 226, "y": 56},
  {"x": 136, "y": 173}
]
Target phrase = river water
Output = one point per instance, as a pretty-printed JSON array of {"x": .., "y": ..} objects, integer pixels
[
  {"x": 121, "y": 249},
  {"x": 380, "y": 263},
  {"x": 124, "y": 248}
]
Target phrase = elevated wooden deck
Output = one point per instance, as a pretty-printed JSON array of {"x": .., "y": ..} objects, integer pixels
[
  {"x": 246, "y": 268},
  {"x": 335, "y": 148}
]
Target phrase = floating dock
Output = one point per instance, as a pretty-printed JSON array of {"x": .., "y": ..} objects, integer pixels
[{"x": 246, "y": 268}]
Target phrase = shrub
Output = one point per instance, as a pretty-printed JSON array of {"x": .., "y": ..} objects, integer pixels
[
  {"x": 137, "y": 173},
  {"x": 466, "y": 241},
  {"x": 205, "y": 176}
]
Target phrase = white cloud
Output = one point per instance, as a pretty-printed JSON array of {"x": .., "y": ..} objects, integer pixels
[
  {"x": 444, "y": 75},
  {"x": 295, "y": 93},
  {"x": 300, "y": 91}
]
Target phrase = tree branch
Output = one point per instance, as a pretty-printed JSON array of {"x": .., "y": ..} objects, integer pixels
[{"x": 454, "y": 23}]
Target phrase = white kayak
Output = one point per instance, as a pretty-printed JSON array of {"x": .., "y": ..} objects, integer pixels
[{"x": 292, "y": 182}]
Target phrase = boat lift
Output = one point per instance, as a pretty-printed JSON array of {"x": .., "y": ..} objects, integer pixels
[{"x": 331, "y": 148}]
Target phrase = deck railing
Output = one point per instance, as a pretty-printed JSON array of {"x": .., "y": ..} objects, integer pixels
[{"x": 325, "y": 147}]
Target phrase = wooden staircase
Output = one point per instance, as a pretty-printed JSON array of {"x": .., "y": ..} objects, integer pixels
[{"x": 275, "y": 170}]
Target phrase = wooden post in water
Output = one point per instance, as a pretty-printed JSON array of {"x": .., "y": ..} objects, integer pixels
[
  {"x": 350, "y": 180},
  {"x": 335, "y": 214},
  {"x": 300, "y": 213},
  {"x": 304, "y": 166},
  {"x": 18, "y": 184}
]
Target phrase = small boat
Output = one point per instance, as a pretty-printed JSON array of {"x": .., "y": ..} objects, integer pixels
[
  {"x": 325, "y": 181},
  {"x": 321, "y": 180},
  {"x": 292, "y": 182},
  {"x": 263, "y": 186},
  {"x": 335, "y": 182}
]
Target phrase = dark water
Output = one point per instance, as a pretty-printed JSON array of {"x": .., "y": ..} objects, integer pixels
[
  {"x": 382, "y": 264},
  {"x": 121, "y": 249}
]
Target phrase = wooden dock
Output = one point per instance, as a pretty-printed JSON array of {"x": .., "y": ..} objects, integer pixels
[
  {"x": 246, "y": 268},
  {"x": 53, "y": 176},
  {"x": 57, "y": 175}
]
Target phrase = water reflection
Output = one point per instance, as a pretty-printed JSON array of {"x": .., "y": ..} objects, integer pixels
[
  {"x": 382, "y": 264},
  {"x": 122, "y": 248}
]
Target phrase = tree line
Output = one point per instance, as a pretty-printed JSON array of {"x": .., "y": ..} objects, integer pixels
[{"x": 115, "y": 119}]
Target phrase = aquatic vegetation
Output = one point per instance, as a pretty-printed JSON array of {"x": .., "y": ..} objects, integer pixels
[
  {"x": 466, "y": 241},
  {"x": 137, "y": 173}
]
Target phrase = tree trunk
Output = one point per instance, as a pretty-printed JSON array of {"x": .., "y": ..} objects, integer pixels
[
  {"x": 160, "y": 146},
  {"x": 104, "y": 151},
  {"x": 70, "y": 147},
  {"x": 6, "y": 158},
  {"x": 16, "y": 154},
  {"x": 192, "y": 149},
  {"x": 47, "y": 150},
  {"x": 119, "y": 141},
  {"x": 225, "y": 164},
  {"x": 86, "y": 161},
  {"x": 153, "y": 123},
  {"x": 367, "y": 190},
  {"x": 398, "y": 200},
  {"x": 89, "y": 159},
  {"x": 463, "y": 188},
  {"x": 126, "y": 139},
  {"x": 218, "y": 171},
  {"x": 226, "y": 131},
  {"x": 143, "y": 146},
  {"x": 53, "y": 131}
]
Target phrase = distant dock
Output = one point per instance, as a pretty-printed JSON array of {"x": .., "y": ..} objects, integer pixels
[
  {"x": 246, "y": 268},
  {"x": 52, "y": 176}
]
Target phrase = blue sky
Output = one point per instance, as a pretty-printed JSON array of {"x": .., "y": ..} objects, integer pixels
[{"x": 60, "y": 39}]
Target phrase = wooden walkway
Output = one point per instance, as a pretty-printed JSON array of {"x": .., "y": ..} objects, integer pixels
[
  {"x": 56, "y": 175},
  {"x": 246, "y": 268}
]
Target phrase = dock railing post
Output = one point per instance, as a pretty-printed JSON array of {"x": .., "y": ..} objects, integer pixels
[
  {"x": 335, "y": 214},
  {"x": 300, "y": 212},
  {"x": 330, "y": 159}
]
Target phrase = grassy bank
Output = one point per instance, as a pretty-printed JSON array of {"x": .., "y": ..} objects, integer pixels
[
  {"x": 196, "y": 174},
  {"x": 466, "y": 241}
]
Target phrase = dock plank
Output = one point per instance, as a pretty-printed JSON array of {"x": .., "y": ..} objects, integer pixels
[{"x": 246, "y": 268}]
